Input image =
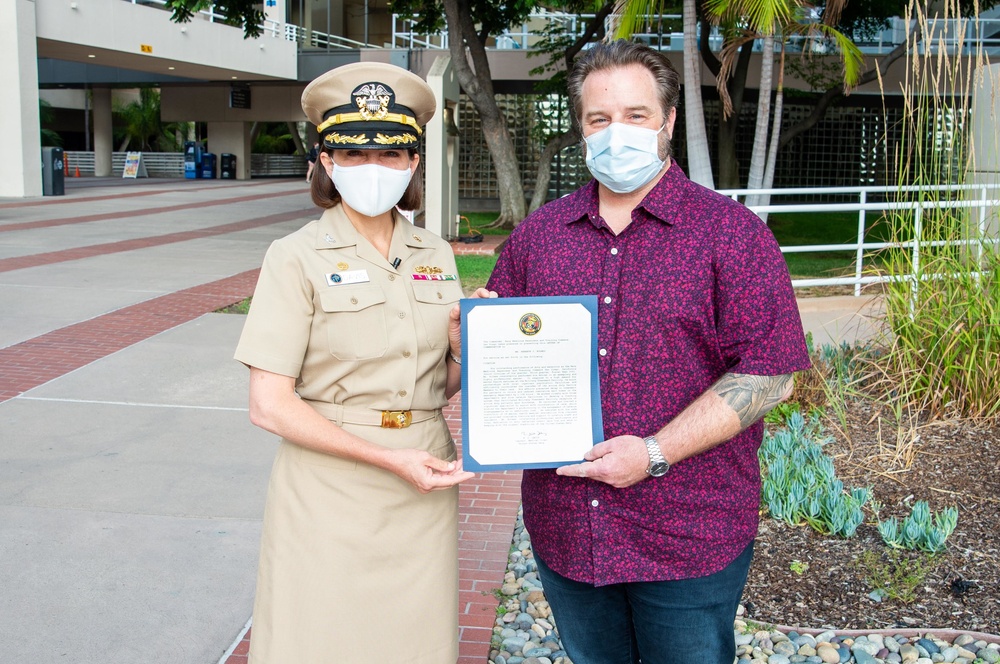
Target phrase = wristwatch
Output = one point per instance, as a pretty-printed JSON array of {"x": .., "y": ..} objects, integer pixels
[{"x": 658, "y": 466}]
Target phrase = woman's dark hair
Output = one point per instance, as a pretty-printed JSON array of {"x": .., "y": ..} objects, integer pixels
[
  {"x": 325, "y": 195},
  {"x": 622, "y": 53}
]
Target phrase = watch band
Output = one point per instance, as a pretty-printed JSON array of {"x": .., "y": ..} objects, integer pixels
[{"x": 658, "y": 465}]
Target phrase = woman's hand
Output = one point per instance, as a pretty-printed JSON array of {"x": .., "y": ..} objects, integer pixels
[
  {"x": 455, "y": 324},
  {"x": 427, "y": 472}
]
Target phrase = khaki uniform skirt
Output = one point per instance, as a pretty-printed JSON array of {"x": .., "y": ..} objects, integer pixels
[{"x": 356, "y": 565}]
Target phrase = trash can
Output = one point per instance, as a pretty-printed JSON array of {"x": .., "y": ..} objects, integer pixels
[
  {"x": 192, "y": 160},
  {"x": 208, "y": 166},
  {"x": 227, "y": 166},
  {"x": 53, "y": 172}
]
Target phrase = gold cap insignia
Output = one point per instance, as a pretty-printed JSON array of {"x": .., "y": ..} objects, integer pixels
[{"x": 372, "y": 100}]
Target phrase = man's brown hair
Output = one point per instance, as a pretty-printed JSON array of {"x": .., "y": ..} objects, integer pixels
[{"x": 622, "y": 53}]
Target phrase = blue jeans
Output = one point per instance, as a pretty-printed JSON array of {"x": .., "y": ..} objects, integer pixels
[{"x": 653, "y": 622}]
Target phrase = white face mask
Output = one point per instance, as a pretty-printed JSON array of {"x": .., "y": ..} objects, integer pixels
[
  {"x": 624, "y": 158},
  {"x": 369, "y": 188}
]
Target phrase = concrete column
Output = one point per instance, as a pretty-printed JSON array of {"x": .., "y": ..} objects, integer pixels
[
  {"x": 234, "y": 138},
  {"x": 441, "y": 152},
  {"x": 104, "y": 143},
  {"x": 21, "y": 166},
  {"x": 984, "y": 145}
]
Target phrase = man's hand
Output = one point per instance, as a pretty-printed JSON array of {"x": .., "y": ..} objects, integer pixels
[
  {"x": 620, "y": 462},
  {"x": 426, "y": 472}
]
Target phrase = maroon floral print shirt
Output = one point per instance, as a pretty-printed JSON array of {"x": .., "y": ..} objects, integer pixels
[{"x": 693, "y": 288}]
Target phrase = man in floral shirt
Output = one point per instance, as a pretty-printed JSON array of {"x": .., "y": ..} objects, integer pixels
[{"x": 644, "y": 547}]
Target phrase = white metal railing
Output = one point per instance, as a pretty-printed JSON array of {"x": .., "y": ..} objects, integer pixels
[
  {"x": 662, "y": 31},
  {"x": 287, "y": 31},
  {"x": 171, "y": 164},
  {"x": 957, "y": 36},
  {"x": 984, "y": 197}
]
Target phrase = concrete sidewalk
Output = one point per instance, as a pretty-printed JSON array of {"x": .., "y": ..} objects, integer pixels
[{"x": 131, "y": 482}]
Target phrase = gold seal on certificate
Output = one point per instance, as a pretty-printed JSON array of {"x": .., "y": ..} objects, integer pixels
[{"x": 531, "y": 393}]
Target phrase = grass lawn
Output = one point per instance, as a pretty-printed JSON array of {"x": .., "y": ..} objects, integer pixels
[
  {"x": 801, "y": 228},
  {"x": 474, "y": 271}
]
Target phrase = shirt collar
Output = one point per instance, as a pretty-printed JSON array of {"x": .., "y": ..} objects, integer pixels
[
  {"x": 335, "y": 231},
  {"x": 662, "y": 202}
]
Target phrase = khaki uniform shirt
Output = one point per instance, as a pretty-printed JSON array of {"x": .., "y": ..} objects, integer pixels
[{"x": 353, "y": 330}]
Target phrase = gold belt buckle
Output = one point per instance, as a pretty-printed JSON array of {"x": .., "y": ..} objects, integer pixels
[{"x": 396, "y": 419}]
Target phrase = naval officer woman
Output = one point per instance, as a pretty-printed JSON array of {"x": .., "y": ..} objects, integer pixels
[{"x": 353, "y": 346}]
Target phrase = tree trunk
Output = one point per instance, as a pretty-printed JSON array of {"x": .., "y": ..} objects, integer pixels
[
  {"x": 836, "y": 92},
  {"x": 726, "y": 158},
  {"x": 542, "y": 177},
  {"x": 468, "y": 56},
  {"x": 294, "y": 131},
  {"x": 699, "y": 161},
  {"x": 772, "y": 156},
  {"x": 759, "y": 155}
]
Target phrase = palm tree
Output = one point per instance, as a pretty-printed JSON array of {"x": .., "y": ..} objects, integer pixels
[
  {"x": 769, "y": 20},
  {"x": 46, "y": 115},
  {"x": 632, "y": 13}
]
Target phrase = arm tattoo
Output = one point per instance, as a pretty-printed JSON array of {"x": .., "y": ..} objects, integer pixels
[{"x": 752, "y": 396}]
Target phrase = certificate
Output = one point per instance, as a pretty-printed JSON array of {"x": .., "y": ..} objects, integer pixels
[{"x": 530, "y": 387}]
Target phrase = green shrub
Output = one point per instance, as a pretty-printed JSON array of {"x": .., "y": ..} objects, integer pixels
[
  {"x": 920, "y": 531},
  {"x": 800, "y": 484}
]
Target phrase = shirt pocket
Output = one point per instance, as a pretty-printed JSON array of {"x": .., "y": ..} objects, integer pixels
[
  {"x": 355, "y": 322},
  {"x": 434, "y": 301}
]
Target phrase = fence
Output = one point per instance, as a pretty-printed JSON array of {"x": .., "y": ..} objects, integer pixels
[
  {"x": 984, "y": 197},
  {"x": 171, "y": 164}
]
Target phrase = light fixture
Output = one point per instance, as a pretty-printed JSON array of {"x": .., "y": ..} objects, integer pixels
[
  {"x": 184, "y": 29},
  {"x": 171, "y": 68},
  {"x": 72, "y": 5},
  {"x": 91, "y": 55},
  {"x": 234, "y": 78}
]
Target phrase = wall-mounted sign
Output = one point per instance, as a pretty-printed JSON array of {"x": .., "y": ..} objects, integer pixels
[
  {"x": 239, "y": 96},
  {"x": 146, "y": 48}
]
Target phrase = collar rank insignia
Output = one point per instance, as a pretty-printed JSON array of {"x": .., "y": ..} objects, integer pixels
[{"x": 372, "y": 100}]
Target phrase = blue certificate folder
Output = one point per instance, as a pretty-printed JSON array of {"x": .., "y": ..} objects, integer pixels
[{"x": 529, "y": 327}]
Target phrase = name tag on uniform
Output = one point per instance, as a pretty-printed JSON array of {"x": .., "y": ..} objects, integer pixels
[
  {"x": 434, "y": 277},
  {"x": 347, "y": 277}
]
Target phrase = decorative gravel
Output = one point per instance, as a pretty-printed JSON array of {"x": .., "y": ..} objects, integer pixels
[{"x": 525, "y": 632}]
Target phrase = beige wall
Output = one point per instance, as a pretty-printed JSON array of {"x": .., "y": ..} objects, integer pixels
[
  {"x": 210, "y": 103},
  {"x": 117, "y": 32}
]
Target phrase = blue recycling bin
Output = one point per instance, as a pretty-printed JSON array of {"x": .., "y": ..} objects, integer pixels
[
  {"x": 192, "y": 160},
  {"x": 208, "y": 166}
]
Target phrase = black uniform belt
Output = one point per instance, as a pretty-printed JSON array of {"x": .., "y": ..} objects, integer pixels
[{"x": 387, "y": 419}]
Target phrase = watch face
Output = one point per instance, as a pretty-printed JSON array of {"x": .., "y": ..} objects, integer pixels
[{"x": 659, "y": 469}]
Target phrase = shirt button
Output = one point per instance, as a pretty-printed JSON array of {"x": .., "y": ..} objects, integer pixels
[
  {"x": 607, "y": 300},
  {"x": 406, "y": 353},
  {"x": 354, "y": 300},
  {"x": 440, "y": 297},
  {"x": 402, "y": 393},
  {"x": 402, "y": 314},
  {"x": 614, "y": 251},
  {"x": 595, "y": 503},
  {"x": 603, "y": 352},
  {"x": 392, "y": 277}
]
